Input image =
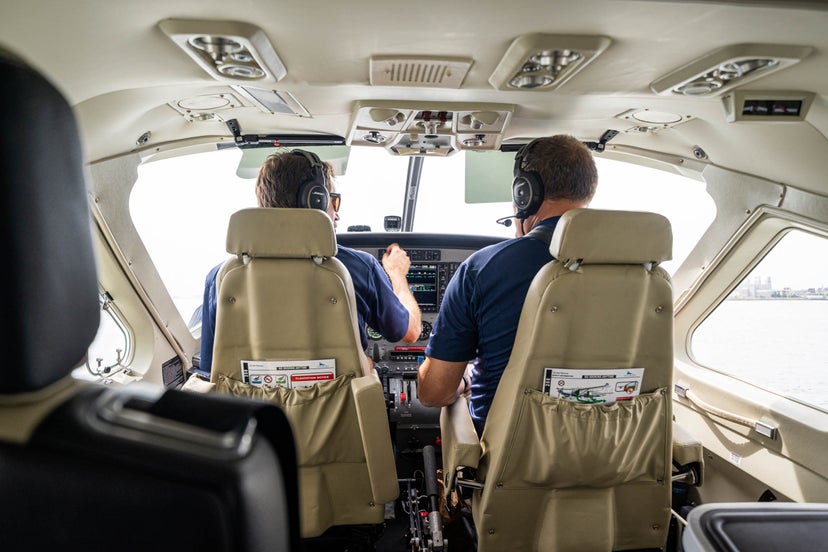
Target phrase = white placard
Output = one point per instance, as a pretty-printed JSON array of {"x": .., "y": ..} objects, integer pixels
[
  {"x": 287, "y": 373},
  {"x": 593, "y": 386}
]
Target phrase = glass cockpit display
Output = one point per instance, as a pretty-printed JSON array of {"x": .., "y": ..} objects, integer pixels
[{"x": 424, "y": 284}]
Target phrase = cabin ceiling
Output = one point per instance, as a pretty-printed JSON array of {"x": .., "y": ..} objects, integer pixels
[{"x": 126, "y": 76}]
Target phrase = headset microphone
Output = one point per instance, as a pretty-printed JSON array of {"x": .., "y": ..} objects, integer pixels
[{"x": 506, "y": 221}]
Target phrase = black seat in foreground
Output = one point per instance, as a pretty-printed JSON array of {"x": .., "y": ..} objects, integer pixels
[{"x": 87, "y": 467}]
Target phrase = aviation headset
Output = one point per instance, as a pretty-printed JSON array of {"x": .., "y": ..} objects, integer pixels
[
  {"x": 313, "y": 193},
  {"x": 527, "y": 186}
]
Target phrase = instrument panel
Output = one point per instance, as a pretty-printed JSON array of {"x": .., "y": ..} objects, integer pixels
[{"x": 428, "y": 276}]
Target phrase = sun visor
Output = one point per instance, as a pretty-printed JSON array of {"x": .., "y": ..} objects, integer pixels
[
  {"x": 252, "y": 158},
  {"x": 489, "y": 176}
]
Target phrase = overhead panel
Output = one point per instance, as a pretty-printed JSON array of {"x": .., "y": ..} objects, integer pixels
[
  {"x": 230, "y": 51},
  {"x": 541, "y": 62},
  {"x": 429, "y": 128},
  {"x": 771, "y": 106},
  {"x": 726, "y": 68}
]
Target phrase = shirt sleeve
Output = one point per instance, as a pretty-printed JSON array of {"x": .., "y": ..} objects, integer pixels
[
  {"x": 454, "y": 334},
  {"x": 208, "y": 320},
  {"x": 388, "y": 315}
]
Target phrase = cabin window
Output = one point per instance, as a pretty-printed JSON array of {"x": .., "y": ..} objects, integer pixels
[
  {"x": 684, "y": 201},
  {"x": 770, "y": 331},
  {"x": 111, "y": 349},
  {"x": 181, "y": 205}
]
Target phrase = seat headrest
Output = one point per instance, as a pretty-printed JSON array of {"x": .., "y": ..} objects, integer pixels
[
  {"x": 595, "y": 236},
  {"x": 50, "y": 308},
  {"x": 281, "y": 233}
]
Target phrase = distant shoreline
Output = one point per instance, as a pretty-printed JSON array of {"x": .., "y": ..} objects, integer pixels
[{"x": 814, "y": 298}]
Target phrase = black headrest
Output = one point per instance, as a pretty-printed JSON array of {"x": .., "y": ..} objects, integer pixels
[{"x": 50, "y": 308}]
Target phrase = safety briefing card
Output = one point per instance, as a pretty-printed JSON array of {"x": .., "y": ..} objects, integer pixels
[
  {"x": 287, "y": 373},
  {"x": 592, "y": 386}
]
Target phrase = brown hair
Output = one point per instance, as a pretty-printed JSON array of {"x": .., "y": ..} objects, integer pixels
[
  {"x": 566, "y": 167},
  {"x": 280, "y": 177}
]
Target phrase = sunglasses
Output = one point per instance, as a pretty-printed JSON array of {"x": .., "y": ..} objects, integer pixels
[{"x": 336, "y": 200}]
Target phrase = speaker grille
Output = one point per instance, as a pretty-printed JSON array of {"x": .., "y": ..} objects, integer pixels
[{"x": 420, "y": 72}]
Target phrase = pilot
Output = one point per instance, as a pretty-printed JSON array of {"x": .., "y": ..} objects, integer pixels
[
  {"x": 383, "y": 298},
  {"x": 479, "y": 314}
]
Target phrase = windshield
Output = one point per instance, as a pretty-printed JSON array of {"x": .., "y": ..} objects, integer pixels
[{"x": 194, "y": 196}]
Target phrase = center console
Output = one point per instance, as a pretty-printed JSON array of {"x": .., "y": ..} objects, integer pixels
[
  {"x": 397, "y": 363},
  {"x": 434, "y": 261}
]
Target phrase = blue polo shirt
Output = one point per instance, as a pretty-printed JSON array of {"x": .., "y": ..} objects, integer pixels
[
  {"x": 480, "y": 311},
  {"x": 376, "y": 304}
]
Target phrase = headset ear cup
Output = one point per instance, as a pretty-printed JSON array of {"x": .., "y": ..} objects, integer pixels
[
  {"x": 312, "y": 195},
  {"x": 527, "y": 194},
  {"x": 527, "y": 187}
]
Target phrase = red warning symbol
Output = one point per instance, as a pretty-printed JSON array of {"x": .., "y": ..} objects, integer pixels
[{"x": 561, "y": 383}]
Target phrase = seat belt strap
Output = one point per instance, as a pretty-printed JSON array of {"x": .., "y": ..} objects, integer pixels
[{"x": 542, "y": 233}]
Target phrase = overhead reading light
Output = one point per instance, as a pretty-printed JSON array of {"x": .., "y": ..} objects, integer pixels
[
  {"x": 227, "y": 50},
  {"x": 727, "y": 68},
  {"x": 390, "y": 117},
  {"x": 374, "y": 137},
  {"x": 479, "y": 119},
  {"x": 543, "y": 68},
  {"x": 545, "y": 61},
  {"x": 476, "y": 142}
]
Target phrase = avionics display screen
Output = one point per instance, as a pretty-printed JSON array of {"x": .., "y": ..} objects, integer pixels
[{"x": 423, "y": 282}]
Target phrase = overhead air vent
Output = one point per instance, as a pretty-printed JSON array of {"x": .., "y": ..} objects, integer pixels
[
  {"x": 419, "y": 71},
  {"x": 545, "y": 61},
  {"x": 227, "y": 50},
  {"x": 727, "y": 68}
]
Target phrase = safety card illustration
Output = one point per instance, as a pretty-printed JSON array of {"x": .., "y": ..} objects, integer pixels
[
  {"x": 592, "y": 386},
  {"x": 287, "y": 373}
]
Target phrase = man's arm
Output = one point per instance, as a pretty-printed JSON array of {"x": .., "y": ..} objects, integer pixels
[
  {"x": 440, "y": 383},
  {"x": 396, "y": 263}
]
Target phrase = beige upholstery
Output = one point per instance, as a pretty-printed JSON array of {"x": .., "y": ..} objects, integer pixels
[
  {"x": 688, "y": 451},
  {"x": 283, "y": 296},
  {"x": 559, "y": 475}
]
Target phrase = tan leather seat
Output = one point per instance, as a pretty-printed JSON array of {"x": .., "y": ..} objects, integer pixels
[
  {"x": 559, "y": 475},
  {"x": 284, "y": 296}
]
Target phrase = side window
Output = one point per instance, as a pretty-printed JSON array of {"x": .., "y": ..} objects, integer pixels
[
  {"x": 111, "y": 349},
  {"x": 771, "y": 331}
]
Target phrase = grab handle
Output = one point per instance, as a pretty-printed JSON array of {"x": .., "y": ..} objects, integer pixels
[{"x": 762, "y": 428}]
